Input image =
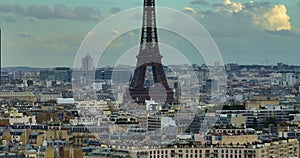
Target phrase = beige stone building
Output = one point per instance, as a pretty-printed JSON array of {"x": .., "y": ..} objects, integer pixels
[
  {"x": 255, "y": 104},
  {"x": 50, "y": 152},
  {"x": 238, "y": 120},
  {"x": 283, "y": 148},
  {"x": 23, "y": 96},
  {"x": 60, "y": 152},
  {"x": 235, "y": 139},
  {"x": 92, "y": 105},
  {"x": 36, "y": 137},
  {"x": 56, "y": 134}
]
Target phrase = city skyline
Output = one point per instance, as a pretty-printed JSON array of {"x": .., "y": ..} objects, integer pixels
[{"x": 48, "y": 34}]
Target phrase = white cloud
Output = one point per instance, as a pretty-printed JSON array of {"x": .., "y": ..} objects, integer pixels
[
  {"x": 90, "y": 34},
  {"x": 189, "y": 9},
  {"x": 274, "y": 19},
  {"x": 116, "y": 32},
  {"x": 271, "y": 18},
  {"x": 233, "y": 7}
]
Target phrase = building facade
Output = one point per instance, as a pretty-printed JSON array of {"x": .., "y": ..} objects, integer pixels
[{"x": 283, "y": 148}]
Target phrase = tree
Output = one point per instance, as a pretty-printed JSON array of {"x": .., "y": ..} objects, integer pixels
[
  {"x": 255, "y": 124},
  {"x": 268, "y": 121}
]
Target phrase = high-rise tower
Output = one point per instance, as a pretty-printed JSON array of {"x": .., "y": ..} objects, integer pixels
[
  {"x": 87, "y": 63},
  {"x": 149, "y": 56}
]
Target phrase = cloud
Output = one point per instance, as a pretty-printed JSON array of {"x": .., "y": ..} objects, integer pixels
[
  {"x": 233, "y": 7},
  {"x": 115, "y": 10},
  {"x": 54, "y": 42},
  {"x": 79, "y": 13},
  {"x": 237, "y": 36},
  {"x": 255, "y": 5},
  {"x": 287, "y": 33},
  {"x": 263, "y": 14},
  {"x": 229, "y": 26},
  {"x": 58, "y": 12},
  {"x": 274, "y": 19},
  {"x": 12, "y": 8},
  {"x": 90, "y": 34},
  {"x": 41, "y": 12},
  {"x": 189, "y": 10},
  {"x": 114, "y": 31},
  {"x": 24, "y": 35},
  {"x": 199, "y": 2},
  {"x": 42, "y": 49},
  {"x": 8, "y": 18}
]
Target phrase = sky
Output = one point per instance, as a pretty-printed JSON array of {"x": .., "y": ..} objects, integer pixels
[{"x": 40, "y": 33}]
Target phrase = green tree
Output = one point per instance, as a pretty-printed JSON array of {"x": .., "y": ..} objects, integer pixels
[
  {"x": 255, "y": 124},
  {"x": 268, "y": 121}
]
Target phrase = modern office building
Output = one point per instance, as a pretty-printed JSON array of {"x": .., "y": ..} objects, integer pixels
[
  {"x": 63, "y": 74},
  {"x": 154, "y": 123},
  {"x": 280, "y": 113}
]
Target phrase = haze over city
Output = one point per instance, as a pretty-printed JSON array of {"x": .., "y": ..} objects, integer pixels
[
  {"x": 49, "y": 33},
  {"x": 149, "y": 78}
]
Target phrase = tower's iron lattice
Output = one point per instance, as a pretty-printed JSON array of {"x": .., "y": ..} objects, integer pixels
[{"x": 149, "y": 56}]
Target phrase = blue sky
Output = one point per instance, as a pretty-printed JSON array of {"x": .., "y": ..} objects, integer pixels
[{"x": 44, "y": 33}]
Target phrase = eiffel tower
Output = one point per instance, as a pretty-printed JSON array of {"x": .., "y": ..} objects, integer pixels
[{"x": 149, "y": 56}]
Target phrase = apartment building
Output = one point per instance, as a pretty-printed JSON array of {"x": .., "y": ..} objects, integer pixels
[{"x": 282, "y": 148}]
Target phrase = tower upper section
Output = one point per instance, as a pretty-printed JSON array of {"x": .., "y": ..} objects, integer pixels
[{"x": 149, "y": 29}]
